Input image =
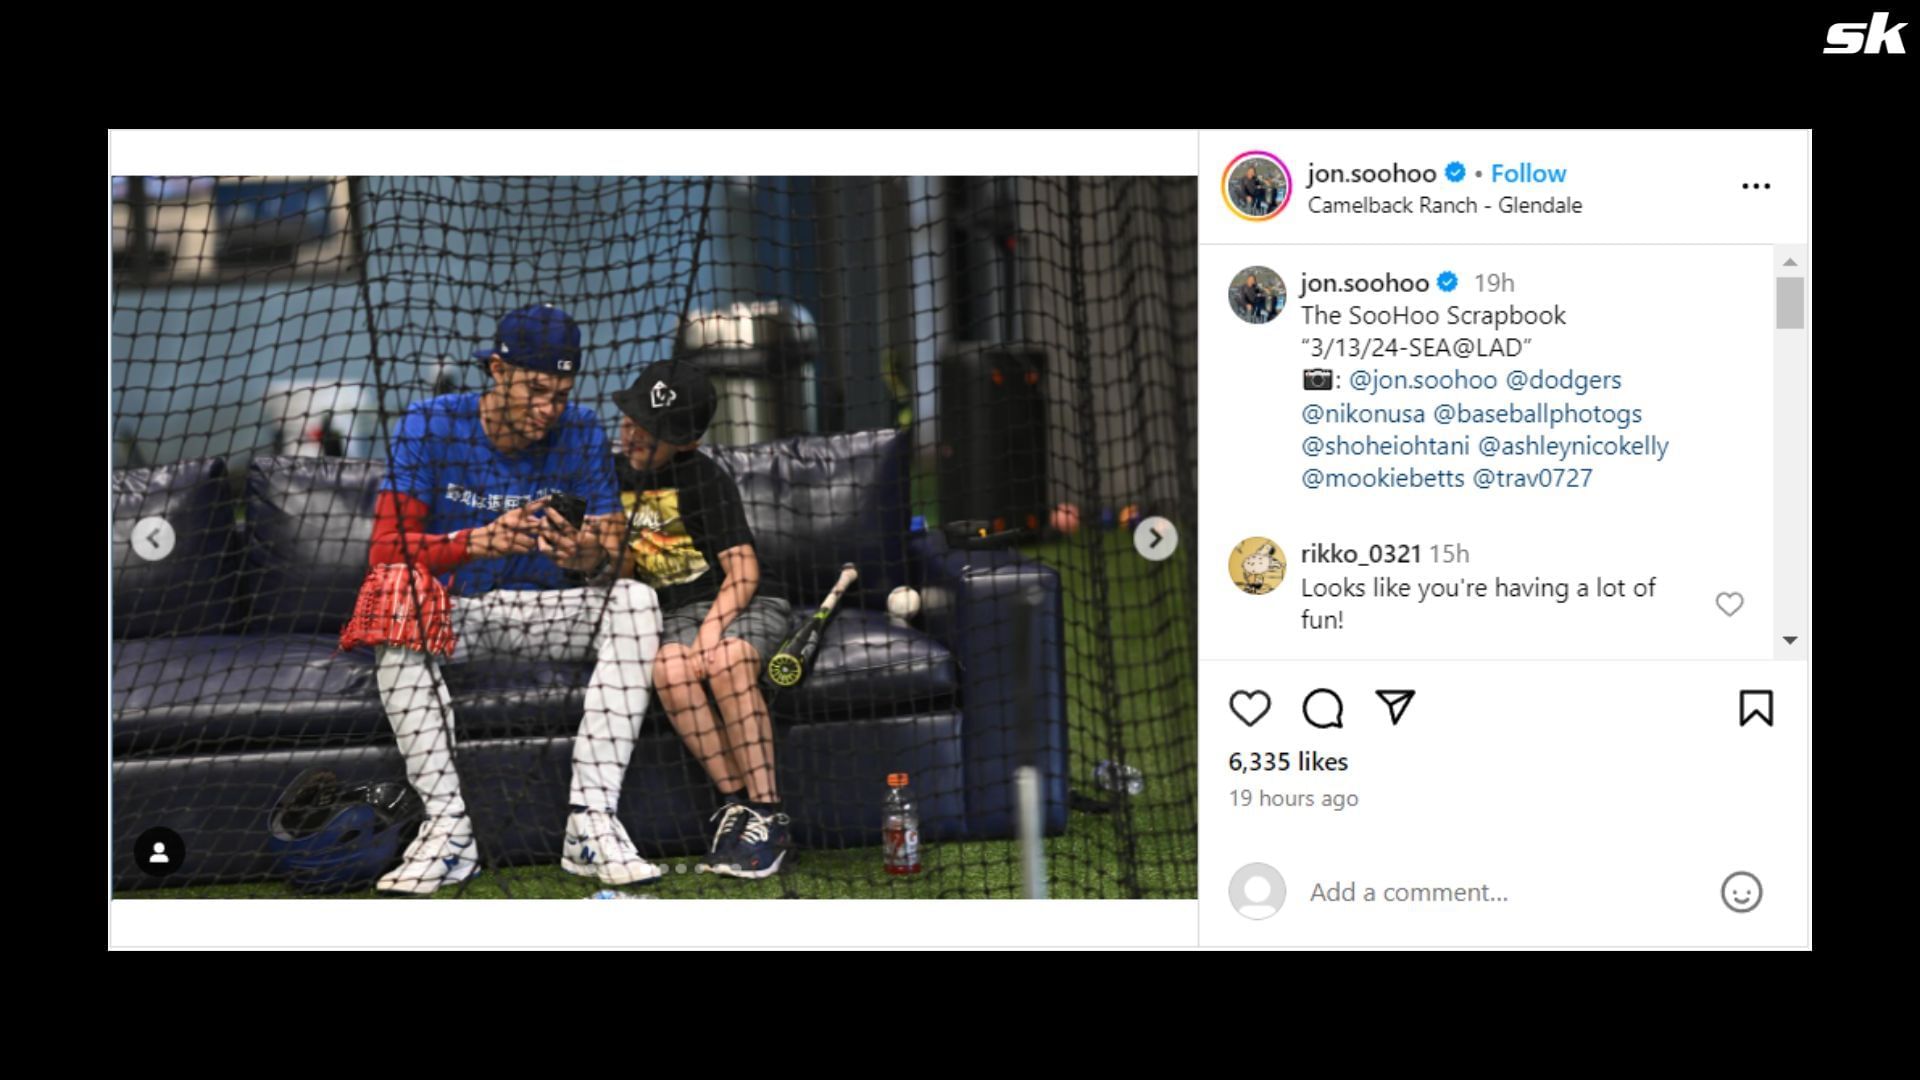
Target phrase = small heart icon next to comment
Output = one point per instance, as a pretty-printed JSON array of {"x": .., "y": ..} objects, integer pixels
[
  {"x": 1245, "y": 711},
  {"x": 1730, "y": 602}
]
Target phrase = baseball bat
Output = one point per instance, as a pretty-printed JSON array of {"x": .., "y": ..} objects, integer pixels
[{"x": 791, "y": 660}]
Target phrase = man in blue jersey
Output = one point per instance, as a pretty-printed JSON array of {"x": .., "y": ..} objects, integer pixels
[{"x": 476, "y": 497}]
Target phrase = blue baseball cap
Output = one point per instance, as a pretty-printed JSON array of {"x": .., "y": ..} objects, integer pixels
[{"x": 541, "y": 338}]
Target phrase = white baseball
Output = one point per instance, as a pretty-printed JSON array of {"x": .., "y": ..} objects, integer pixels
[{"x": 904, "y": 602}]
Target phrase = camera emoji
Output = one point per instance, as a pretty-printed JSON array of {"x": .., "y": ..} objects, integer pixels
[{"x": 1317, "y": 378}]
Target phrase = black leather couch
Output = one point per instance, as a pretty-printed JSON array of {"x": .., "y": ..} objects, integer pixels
[{"x": 228, "y": 679}]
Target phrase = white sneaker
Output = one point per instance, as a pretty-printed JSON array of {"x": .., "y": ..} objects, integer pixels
[
  {"x": 443, "y": 854},
  {"x": 598, "y": 847}
]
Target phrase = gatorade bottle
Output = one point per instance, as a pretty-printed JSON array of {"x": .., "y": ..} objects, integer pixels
[{"x": 900, "y": 827}]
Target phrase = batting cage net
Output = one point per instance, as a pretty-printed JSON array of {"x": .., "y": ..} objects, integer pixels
[{"x": 684, "y": 537}]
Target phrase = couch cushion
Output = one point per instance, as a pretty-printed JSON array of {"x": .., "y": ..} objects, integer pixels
[
  {"x": 868, "y": 665},
  {"x": 871, "y": 664},
  {"x": 174, "y": 574},
  {"x": 309, "y": 526},
  {"x": 226, "y": 693},
  {"x": 818, "y": 502}
]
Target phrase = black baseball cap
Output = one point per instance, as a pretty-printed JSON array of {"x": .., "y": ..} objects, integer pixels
[{"x": 673, "y": 399}]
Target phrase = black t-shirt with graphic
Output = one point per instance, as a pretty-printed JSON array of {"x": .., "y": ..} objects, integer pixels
[{"x": 680, "y": 517}]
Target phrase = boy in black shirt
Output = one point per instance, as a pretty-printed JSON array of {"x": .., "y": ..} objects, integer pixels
[{"x": 689, "y": 539}]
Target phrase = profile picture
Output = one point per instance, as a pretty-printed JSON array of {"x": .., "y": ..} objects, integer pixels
[
  {"x": 1257, "y": 294},
  {"x": 1257, "y": 565},
  {"x": 1256, "y": 185}
]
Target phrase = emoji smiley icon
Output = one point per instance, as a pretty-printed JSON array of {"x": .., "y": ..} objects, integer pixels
[{"x": 1740, "y": 892}]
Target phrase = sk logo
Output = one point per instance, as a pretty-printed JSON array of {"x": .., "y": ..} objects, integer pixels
[
  {"x": 1866, "y": 38},
  {"x": 662, "y": 395}
]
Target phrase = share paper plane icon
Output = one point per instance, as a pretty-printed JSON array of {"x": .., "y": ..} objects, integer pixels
[{"x": 1396, "y": 703}]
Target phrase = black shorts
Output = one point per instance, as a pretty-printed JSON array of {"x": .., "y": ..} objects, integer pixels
[{"x": 763, "y": 624}]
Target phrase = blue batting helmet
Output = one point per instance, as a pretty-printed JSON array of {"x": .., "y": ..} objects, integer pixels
[{"x": 328, "y": 837}]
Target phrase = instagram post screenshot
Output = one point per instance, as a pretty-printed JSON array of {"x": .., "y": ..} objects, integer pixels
[{"x": 1190, "y": 539}]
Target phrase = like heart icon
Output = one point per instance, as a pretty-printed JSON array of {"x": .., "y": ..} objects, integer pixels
[
  {"x": 1246, "y": 710},
  {"x": 1730, "y": 602}
]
